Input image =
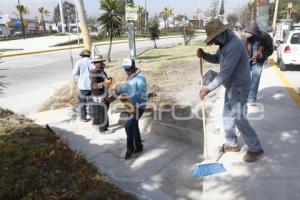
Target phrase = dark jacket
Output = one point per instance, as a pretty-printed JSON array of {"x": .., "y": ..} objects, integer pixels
[
  {"x": 265, "y": 45},
  {"x": 98, "y": 76},
  {"x": 233, "y": 59}
]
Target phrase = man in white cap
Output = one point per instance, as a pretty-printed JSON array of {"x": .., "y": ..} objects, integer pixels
[
  {"x": 235, "y": 76},
  {"x": 134, "y": 92},
  {"x": 82, "y": 71}
]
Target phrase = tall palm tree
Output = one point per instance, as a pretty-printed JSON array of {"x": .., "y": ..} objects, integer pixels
[
  {"x": 165, "y": 14},
  {"x": 43, "y": 12},
  {"x": 23, "y": 10},
  {"x": 140, "y": 21},
  {"x": 111, "y": 21}
]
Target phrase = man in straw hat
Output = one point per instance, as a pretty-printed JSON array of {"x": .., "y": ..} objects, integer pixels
[
  {"x": 100, "y": 86},
  {"x": 235, "y": 76},
  {"x": 82, "y": 71}
]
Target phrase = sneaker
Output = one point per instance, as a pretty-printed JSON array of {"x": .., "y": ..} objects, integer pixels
[
  {"x": 138, "y": 149},
  {"x": 252, "y": 103},
  {"x": 252, "y": 156},
  {"x": 128, "y": 154},
  {"x": 106, "y": 131},
  {"x": 226, "y": 148},
  {"x": 85, "y": 120}
]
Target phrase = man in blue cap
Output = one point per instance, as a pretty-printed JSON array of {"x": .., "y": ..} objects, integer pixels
[{"x": 135, "y": 93}]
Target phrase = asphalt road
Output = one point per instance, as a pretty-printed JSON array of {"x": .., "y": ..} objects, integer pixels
[{"x": 32, "y": 79}]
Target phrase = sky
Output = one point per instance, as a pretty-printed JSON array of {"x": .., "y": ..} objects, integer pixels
[{"x": 186, "y": 7}]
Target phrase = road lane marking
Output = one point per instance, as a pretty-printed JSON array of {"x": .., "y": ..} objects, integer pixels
[{"x": 286, "y": 83}]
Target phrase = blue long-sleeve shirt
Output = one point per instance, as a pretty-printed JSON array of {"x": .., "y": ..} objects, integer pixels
[
  {"x": 136, "y": 88},
  {"x": 234, "y": 65},
  {"x": 82, "y": 69}
]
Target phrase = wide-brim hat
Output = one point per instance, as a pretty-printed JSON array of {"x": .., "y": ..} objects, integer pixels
[
  {"x": 98, "y": 58},
  {"x": 213, "y": 29}
]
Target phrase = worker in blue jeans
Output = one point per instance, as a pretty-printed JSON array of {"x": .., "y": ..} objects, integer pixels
[
  {"x": 259, "y": 46},
  {"x": 235, "y": 76},
  {"x": 133, "y": 95}
]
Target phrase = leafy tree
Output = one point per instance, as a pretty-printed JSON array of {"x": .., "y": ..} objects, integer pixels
[
  {"x": 188, "y": 34},
  {"x": 213, "y": 10},
  {"x": 165, "y": 14},
  {"x": 247, "y": 14},
  {"x": 111, "y": 21},
  {"x": 282, "y": 8},
  {"x": 69, "y": 13},
  {"x": 43, "y": 12},
  {"x": 232, "y": 20},
  {"x": 153, "y": 30}
]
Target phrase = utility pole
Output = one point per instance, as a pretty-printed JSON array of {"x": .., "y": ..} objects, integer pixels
[
  {"x": 21, "y": 18},
  {"x": 62, "y": 17},
  {"x": 262, "y": 14},
  {"x": 83, "y": 24},
  {"x": 275, "y": 15}
]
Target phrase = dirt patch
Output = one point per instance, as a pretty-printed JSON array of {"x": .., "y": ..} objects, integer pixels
[{"x": 37, "y": 164}]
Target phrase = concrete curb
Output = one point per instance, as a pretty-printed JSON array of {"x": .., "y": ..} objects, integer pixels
[
  {"x": 285, "y": 82},
  {"x": 76, "y": 47}
]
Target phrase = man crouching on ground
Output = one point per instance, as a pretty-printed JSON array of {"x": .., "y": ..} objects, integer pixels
[
  {"x": 135, "y": 93},
  {"x": 235, "y": 76}
]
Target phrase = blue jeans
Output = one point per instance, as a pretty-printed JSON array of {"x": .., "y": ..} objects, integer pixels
[
  {"x": 256, "y": 70},
  {"x": 84, "y": 101},
  {"x": 133, "y": 131},
  {"x": 235, "y": 116}
]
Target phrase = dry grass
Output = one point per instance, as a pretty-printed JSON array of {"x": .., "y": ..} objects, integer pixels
[
  {"x": 37, "y": 164},
  {"x": 163, "y": 69}
]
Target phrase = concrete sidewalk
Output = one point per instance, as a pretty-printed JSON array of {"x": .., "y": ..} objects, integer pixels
[
  {"x": 276, "y": 175},
  {"x": 46, "y": 44},
  {"x": 164, "y": 170}
]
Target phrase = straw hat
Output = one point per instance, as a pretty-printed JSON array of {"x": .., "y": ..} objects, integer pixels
[
  {"x": 98, "y": 58},
  {"x": 213, "y": 29}
]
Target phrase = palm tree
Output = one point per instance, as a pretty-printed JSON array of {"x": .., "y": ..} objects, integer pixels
[
  {"x": 140, "y": 21},
  {"x": 153, "y": 29},
  {"x": 43, "y": 12},
  {"x": 22, "y": 11},
  {"x": 111, "y": 21},
  {"x": 165, "y": 14}
]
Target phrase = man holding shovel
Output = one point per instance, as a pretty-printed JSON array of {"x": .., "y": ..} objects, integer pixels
[{"x": 235, "y": 76}]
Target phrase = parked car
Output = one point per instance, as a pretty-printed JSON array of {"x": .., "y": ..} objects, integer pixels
[{"x": 288, "y": 52}]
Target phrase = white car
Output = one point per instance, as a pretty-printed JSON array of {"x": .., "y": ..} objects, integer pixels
[{"x": 288, "y": 52}]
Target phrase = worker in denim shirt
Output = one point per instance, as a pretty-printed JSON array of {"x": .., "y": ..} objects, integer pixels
[
  {"x": 235, "y": 76},
  {"x": 135, "y": 94}
]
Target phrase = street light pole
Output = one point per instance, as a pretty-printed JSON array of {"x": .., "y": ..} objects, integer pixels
[
  {"x": 21, "y": 18},
  {"x": 61, "y": 17},
  {"x": 83, "y": 24}
]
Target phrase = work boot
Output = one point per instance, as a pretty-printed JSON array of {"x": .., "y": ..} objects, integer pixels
[
  {"x": 252, "y": 156},
  {"x": 128, "y": 154},
  {"x": 226, "y": 148},
  {"x": 138, "y": 149}
]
